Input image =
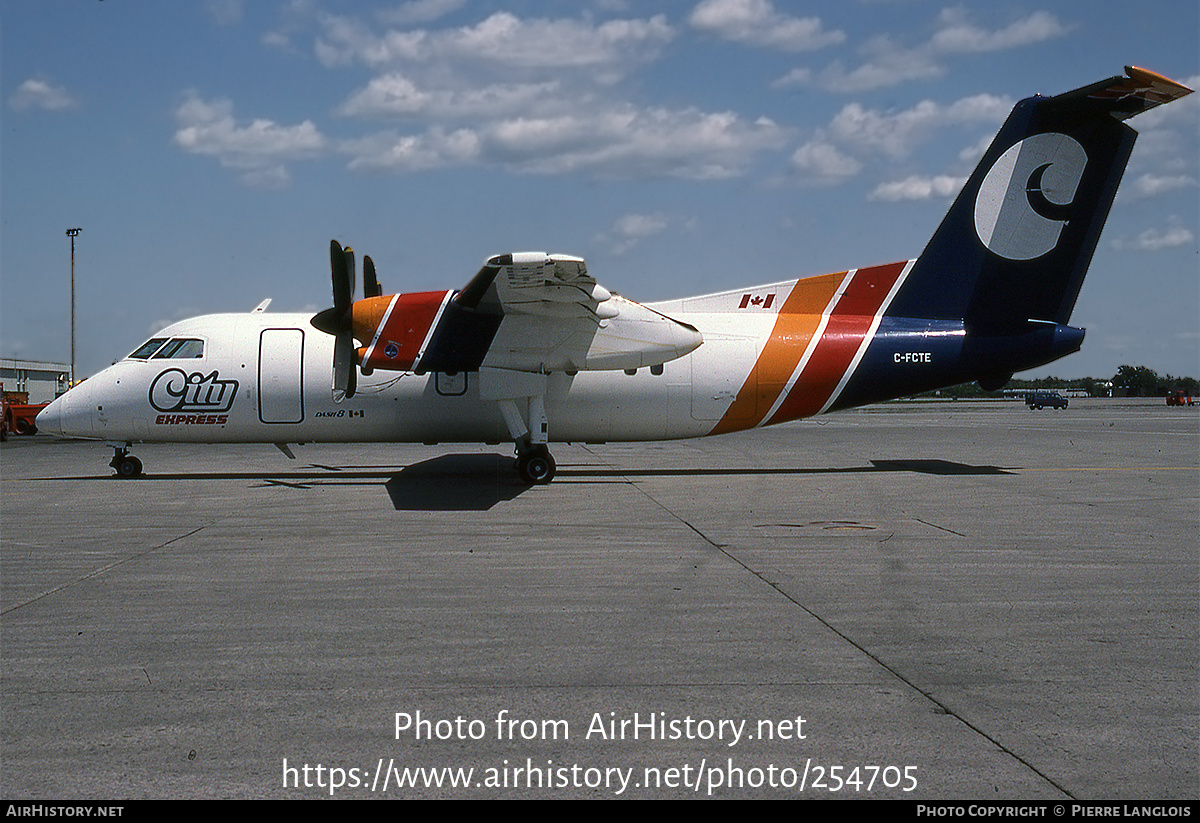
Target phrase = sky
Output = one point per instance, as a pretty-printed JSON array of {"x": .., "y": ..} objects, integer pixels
[{"x": 211, "y": 149}]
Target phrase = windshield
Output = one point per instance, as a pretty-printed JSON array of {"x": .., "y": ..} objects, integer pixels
[
  {"x": 148, "y": 348},
  {"x": 180, "y": 348}
]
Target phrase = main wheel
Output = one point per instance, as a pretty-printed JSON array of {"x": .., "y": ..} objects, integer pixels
[{"x": 536, "y": 466}]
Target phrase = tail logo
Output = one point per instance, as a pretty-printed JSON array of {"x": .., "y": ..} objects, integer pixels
[{"x": 1027, "y": 196}]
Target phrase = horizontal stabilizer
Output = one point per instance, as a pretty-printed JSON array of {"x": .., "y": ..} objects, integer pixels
[{"x": 1125, "y": 97}]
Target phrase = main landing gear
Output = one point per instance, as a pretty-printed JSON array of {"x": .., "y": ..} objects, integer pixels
[
  {"x": 126, "y": 464},
  {"x": 534, "y": 463}
]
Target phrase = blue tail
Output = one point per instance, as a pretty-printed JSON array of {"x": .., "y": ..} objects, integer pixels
[{"x": 994, "y": 289}]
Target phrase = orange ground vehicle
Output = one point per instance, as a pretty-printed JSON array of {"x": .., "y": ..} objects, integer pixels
[
  {"x": 1180, "y": 397},
  {"x": 19, "y": 414}
]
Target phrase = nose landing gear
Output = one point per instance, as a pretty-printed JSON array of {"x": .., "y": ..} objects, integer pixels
[{"x": 126, "y": 464}]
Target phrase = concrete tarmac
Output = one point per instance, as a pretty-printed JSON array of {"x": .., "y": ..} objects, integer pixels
[{"x": 916, "y": 600}]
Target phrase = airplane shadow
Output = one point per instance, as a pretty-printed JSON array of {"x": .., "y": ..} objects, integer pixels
[
  {"x": 944, "y": 467},
  {"x": 455, "y": 482},
  {"x": 478, "y": 482},
  {"x": 937, "y": 467}
]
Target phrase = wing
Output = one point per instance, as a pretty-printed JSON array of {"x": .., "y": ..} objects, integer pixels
[
  {"x": 556, "y": 317},
  {"x": 531, "y": 312},
  {"x": 548, "y": 285}
]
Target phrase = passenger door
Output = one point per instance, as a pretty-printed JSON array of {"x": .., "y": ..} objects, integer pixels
[{"x": 280, "y": 376}]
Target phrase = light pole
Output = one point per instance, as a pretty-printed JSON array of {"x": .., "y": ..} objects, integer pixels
[{"x": 72, "y": 233}]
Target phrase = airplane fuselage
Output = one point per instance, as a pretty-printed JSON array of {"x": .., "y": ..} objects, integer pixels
[{"x": 770, "y": 354}]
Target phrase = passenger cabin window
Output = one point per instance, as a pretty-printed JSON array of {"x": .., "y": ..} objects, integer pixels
[
  {"x": 181, "y": 348},
  {"x": 148, "y": 348}
]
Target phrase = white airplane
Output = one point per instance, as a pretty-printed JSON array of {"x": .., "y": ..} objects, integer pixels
[{"x": 533, "y": 350}]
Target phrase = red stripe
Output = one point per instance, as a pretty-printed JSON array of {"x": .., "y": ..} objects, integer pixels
[
  {"x": 848, "y": 324},
  {"x": 868, "y": 290},
  {"x": 406, "y": 329}
]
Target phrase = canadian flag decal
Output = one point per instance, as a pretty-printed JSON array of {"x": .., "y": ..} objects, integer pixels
[{"x": 758, "y": 301}]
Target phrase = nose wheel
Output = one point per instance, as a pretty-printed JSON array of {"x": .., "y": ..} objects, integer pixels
[{"x": 126, "y": 464}]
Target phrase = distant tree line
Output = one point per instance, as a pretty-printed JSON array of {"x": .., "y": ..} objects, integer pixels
[
  {"x": 1129, "y": 381},
  {"x": 1139, "y": 381}
]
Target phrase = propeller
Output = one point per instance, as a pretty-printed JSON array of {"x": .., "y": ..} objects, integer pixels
[{"x": 337, "y": 320}]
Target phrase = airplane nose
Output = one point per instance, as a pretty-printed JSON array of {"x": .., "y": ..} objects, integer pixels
[
  {"x": 49, "y": 419},
  {"x": 65, "y": 416}
]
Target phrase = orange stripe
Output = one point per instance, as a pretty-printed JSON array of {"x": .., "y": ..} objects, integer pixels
[{"x": 795, "y": 326}]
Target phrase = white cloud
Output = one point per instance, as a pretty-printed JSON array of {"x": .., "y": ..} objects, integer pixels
[
  {"x": 1152, "y": 185},
  {"x": 613, "y": 140},
  {"x": 419, "y": 11},
  {"x": 502, "y": 39},
  {"x": 393, "y": 152},
  {"x": 972, "y": 154},
  {"x": 640, "y": 225},
  {"x": 916, "y": 187},
  {"x": 887, "y": 63},
  {"x": 258, "y": 149},
  {"x": 1156, "y": 239},
  {"x": 858, "y": 135},
  {"x": 757, "y": 23},
  {"x": 530, "y": 96},
  {"x": 631, "y": 229},
  {"x": 225, "y": 12},
  {"x": 795, "y": 77},
  {"x": 267, "y": 177},
  {"x": 896, "y": 133},
  {"x": 958, "y": 36},
  {"x": 395, "y": 95},
  {"x": 688, "y": 143},
  {"x": 824, "y": 163},
  {"x": 39, "y": 93}
]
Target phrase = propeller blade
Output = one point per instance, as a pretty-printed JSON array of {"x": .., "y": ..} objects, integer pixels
[
  {"x": 345, "y": 381},
  {"x": 343, "y": 284},
  {"x": 337, "y": 321},
  {"x": 350, "y": 269},
  {"x": 371, "y": 287}
]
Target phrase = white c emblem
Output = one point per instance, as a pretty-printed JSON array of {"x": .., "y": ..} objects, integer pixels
[{"x": 1024, "y": 201}]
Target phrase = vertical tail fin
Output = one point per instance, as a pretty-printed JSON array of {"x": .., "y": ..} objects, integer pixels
[{"x": 1017, "y": 242}]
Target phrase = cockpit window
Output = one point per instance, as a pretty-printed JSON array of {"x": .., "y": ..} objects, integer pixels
[
  {"x": 181, "y": 348},
  {"x": 148, "y": 348}
]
